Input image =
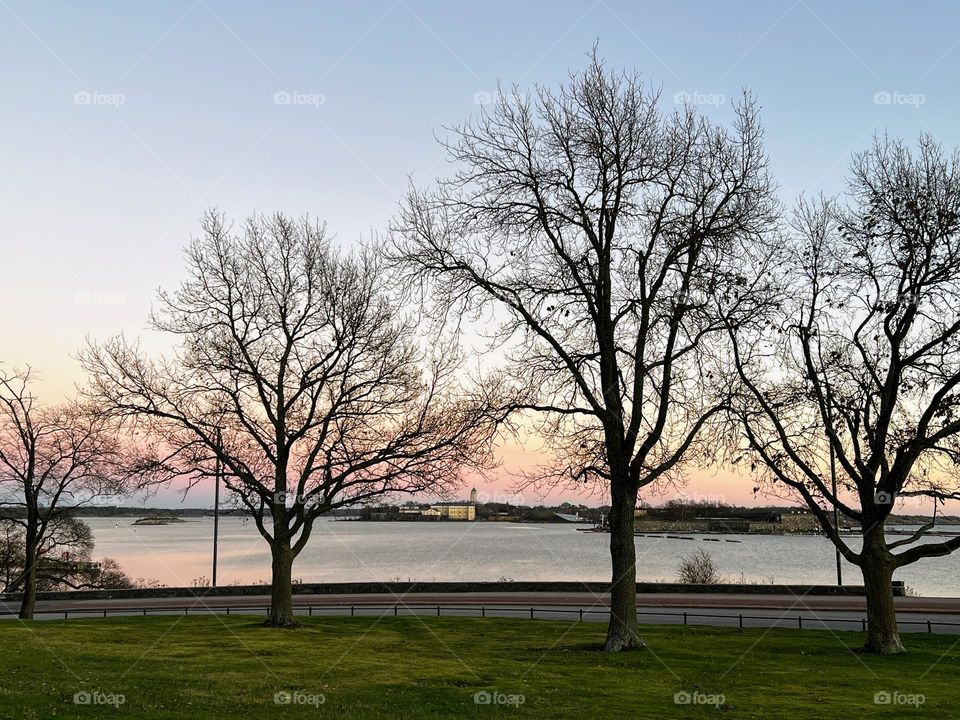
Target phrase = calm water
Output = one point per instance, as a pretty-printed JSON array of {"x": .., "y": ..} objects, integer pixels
[{"x": 178, "y": 554}]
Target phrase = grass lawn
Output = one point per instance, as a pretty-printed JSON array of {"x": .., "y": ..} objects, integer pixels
[{"x": 231, "y": 667}]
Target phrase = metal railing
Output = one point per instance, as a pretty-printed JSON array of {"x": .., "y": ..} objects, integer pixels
[{"x": 533, "y": 612}]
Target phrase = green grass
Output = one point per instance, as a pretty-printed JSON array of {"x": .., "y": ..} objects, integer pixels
[{"x": 231, "y": 667}]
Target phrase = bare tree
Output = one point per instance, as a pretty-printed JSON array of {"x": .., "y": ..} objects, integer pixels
[
  {"x": 300, "y": 377},
  {"x": 599, "y": 233},
  {"x": 861, "y": 377},
  {"x": 12, "y": 553},
  {"x": 65, "y": 559},
  {"x": 53, "y": 460}
]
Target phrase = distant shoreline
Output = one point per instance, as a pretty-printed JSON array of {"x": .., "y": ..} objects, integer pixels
[
  {"x": 679, "y": 533},
  {"x": 184, "y": 513}
]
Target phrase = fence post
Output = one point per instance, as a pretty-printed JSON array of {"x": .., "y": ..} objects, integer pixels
[
  {"x": 65, "y": 613},
  {"x": 228, "y": 609},
  {"x": 863, "y": 623},
  {"x": 581, "y": 614},
  {"x": 144, "y": 612},
  {"x": 800, "y": 622},
  {"x": 351, "y": 611},
  {"x": 394, "y": 610},
  {"x": 438, "y": 611},
  {"x": 531, "y": 613},
  {"x": 684, "y": 617},
  {"x": 104, "y": 612},
  {"x": 929, "y": 627},
  {"x": 741, "y": 621},
  {"x": 483, "y": 611}
]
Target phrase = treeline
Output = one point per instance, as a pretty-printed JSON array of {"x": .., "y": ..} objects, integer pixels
[
  {"x": 140, "y": 512},
  {"x": 681, "y": 510},
  {"x": 489, "y": 512}
]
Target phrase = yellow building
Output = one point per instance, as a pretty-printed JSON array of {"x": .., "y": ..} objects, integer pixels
[{"x": 455, "y": 510}]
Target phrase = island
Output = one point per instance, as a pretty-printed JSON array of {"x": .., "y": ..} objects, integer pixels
[{"x": 157, "y": 520}]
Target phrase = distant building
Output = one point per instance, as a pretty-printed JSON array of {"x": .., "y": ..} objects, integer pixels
[
  {"x": 458, "y": 510},
  {"x": 727, "y": 525},
  {"x": 800, "y": 521},
  {"x": 411, "y": 509},
  {"x": 455, "y": 510}
]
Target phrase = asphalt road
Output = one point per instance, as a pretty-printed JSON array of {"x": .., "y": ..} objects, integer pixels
[{"x": 940, "y": 615}]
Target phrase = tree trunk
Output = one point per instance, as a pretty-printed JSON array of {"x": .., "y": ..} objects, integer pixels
[
  {"x": 29, "y": 599},
  {"x": 281, "y": 595},
  {"x": 877, "y": 566},
  {"x": 622, "y": 632}
]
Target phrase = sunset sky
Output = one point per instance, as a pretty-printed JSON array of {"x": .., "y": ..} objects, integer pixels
[{"x": 123, "y": 122}]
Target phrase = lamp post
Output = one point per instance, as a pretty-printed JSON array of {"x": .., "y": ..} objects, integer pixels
[
  {"x": 216, "y": 512},
  {"x": 836, "y": 513},
  {"x": 833, "y": 483}
]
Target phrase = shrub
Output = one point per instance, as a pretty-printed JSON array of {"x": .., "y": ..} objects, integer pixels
[{"x": 699, "y": 569}]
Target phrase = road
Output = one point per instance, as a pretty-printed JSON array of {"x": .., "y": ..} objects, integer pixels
[{"x": 941, "y": 615}]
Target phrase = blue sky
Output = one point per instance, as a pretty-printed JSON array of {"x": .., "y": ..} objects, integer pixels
[{"x": 123, "y": 121}]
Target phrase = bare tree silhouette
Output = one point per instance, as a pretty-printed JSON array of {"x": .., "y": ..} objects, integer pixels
[
  {"x": 600, "y": 231},
  {"x": 53, "y": 459},
  {"x": 861, "y": 374},
  {"x": 301, "y": 377}
]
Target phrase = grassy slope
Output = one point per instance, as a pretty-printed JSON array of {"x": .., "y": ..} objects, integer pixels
[{"x": 230, "y": 667}]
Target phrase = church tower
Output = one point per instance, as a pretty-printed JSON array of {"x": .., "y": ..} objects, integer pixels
[{"x": 473, "y": 496}]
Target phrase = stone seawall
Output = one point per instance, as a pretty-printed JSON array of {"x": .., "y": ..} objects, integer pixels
[{"x": 401, "y": 588}]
